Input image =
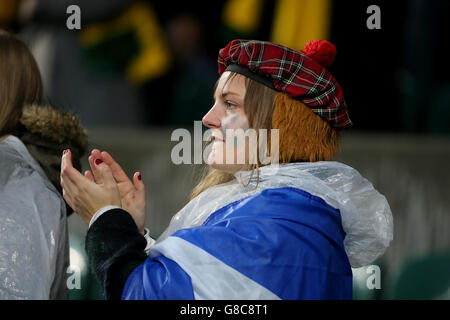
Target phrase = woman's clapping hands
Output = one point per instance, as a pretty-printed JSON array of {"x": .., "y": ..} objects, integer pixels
[{"x": 107, "y": 184}]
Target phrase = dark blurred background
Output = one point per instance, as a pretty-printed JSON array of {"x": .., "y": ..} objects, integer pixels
[
  {"x": 153, "y": 63},
  {"x": 139, "y": 69}
]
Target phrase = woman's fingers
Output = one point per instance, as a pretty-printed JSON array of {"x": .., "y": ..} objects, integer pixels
[
  {"x": 105, "y": 173},
  {"x": 94, "y": 168},
  {"x": 66, "y": 165},
  {"x": 137, "y": 207},
  {"x": 89, "y": 175},
  {"x": 68, "y": 185},
  {"x": 138, "y": 183},
  {"x": 82, "y": 193},
  {"x": 96, "y": 153},
  {"x": 117, "y": 171},
  {"x": 68, "y": 170},
  {"x": 70, "y": 190}
]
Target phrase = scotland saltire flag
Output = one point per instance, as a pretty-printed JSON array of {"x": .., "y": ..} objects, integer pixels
[{"x": 281, "y": 243}]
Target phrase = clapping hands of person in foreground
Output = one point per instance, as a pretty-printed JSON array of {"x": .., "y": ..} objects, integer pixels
[{"x": 106, "y": 185}]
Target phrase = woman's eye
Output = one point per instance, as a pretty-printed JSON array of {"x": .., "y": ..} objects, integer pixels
[{"x": 230, "y": 105}]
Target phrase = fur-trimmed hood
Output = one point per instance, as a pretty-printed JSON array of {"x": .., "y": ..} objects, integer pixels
[
  {"x": 46, "y": 132},
  {"x": 56, "y": 125}
]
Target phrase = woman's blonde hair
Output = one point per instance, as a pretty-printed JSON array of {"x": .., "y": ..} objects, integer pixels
[
  {"x": 303, "y": 135},
  {"x": 20, "y": 81}
]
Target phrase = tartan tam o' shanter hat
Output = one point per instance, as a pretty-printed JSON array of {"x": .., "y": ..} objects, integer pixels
[{"x": 301, "y": 75}]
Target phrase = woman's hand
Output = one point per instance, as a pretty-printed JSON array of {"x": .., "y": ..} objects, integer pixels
[
  {"x": 84, "y": 195},
  {"x": 132, "y": 194}
]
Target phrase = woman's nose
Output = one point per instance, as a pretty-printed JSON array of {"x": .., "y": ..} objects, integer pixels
[{"x": 211, "y": 119}]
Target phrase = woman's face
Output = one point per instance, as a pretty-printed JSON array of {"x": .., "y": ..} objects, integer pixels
[{"x": 226, "y": 118}]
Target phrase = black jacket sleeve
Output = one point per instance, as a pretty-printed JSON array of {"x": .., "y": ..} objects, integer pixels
[{"x": 115, "y": 248}]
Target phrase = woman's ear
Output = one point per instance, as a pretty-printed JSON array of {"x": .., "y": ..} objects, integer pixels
[{"x": 304, "y": 136}]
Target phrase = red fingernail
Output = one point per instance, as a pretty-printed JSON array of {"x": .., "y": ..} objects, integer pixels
[
  {"x": 65, "y": 151},
  {"x": 98, "y": 161},
  {"x": 139, "y": 176}
]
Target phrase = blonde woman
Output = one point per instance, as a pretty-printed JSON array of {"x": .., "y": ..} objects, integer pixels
[{"x": 288, "y": 229}]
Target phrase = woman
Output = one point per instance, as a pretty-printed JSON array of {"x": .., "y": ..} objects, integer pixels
[
  {"x": 290, "y": 229},
  {"x": 34, "y": 247}
]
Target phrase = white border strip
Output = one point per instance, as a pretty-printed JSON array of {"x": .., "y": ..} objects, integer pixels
[{"x": 211, "y": 278}]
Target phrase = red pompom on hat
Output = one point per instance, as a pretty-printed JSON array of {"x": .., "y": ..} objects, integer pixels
[{"x": 321, "y": 51}]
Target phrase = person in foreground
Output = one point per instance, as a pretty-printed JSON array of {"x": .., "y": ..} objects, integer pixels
[{"x": 287, "y": 228}]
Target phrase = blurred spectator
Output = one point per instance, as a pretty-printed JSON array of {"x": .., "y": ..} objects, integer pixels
[
  {"x": 184, "y": 93},
  {"x": 96, "y": 72},
  {"x": 150, "y": 62},
  {"x": 194, "y": 72}
]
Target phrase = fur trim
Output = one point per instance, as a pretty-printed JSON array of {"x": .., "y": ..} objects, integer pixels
[
  {"x": 304, "y": 136},
  {"x": 46, "y": 132},
  {"x": 57, "y": 125}
]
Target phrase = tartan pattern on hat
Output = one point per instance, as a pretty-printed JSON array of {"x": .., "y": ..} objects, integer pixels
[{"x": 293, "y": 73}]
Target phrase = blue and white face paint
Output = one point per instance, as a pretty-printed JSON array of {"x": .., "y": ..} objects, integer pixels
[{"x": 234, "y": 128}]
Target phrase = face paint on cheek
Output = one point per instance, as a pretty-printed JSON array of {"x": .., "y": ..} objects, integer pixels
[{"x": 229, "y": 126}]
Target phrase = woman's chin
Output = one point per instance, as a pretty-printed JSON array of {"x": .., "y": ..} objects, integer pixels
[
  {"x": 214, "y": 158},
  {"x": 214, "y": 162},
  {"x": 230, "y": 168}
]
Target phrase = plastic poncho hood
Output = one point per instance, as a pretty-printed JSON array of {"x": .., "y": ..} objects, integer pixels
[{"x": 365, "y": 213}]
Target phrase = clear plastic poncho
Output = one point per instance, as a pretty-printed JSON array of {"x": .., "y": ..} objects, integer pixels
[
  {"x": 34, "y": 247},
  {"x": 365, "y": 213}
]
